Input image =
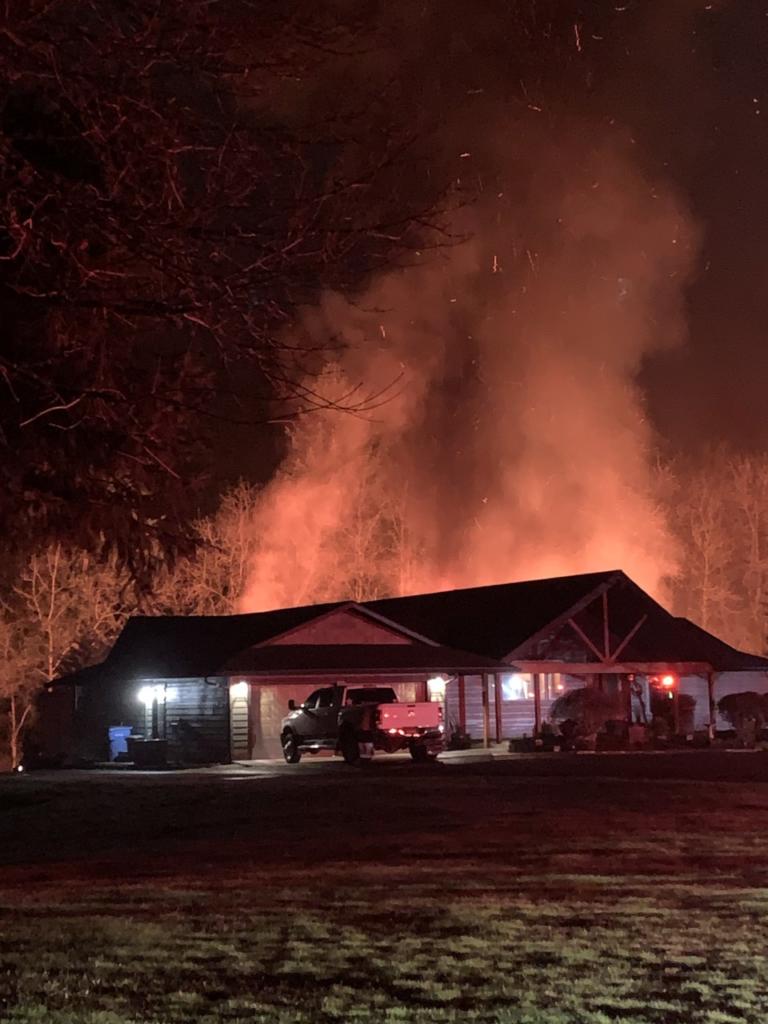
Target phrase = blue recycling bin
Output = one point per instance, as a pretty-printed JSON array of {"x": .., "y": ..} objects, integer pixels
[{"x": 118, "y": 741}]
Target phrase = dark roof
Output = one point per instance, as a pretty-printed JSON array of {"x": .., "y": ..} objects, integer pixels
[
  {"x": 357, "y": 658},
  {"x": 493, "y": 620},
  {"x": 175, "y": 646},
  {"x": 683, "y": 640},
  {"x": 508, "y": 620}
]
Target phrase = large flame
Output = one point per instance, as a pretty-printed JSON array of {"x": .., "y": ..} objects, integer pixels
[{"x": 516, "y": 444}]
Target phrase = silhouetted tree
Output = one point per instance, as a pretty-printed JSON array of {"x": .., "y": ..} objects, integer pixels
[{"x": 174, "y": 183}]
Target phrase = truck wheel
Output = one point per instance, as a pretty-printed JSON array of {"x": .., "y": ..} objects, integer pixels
[
  {"x": 291, "y": 751},
  {"x": 350, "y": 748},
  {"x": 421, "y": 754}
]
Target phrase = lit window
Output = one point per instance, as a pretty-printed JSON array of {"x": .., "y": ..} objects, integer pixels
[
  {"x": 436, "y": 688},
  {"x": 518, "y": 686}
]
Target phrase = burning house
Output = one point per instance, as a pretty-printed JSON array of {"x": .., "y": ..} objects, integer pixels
[{"x": 215, "y": 689}]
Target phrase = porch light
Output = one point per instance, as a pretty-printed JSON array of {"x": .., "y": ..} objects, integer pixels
[
  {"x": 239, "y": 691},
  {"x": 149, "y": 694},
  {"x": 668, "y": 682}
]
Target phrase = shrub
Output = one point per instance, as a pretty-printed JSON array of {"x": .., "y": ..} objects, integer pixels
[
  {"x": 588, "y": 709},
  {"x": 746, "y": 712}
]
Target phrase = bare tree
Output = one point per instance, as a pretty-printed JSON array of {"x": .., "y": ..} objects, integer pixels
[
  {"x": 700, "y": 514},
  {"x": 212, "y": 580},
  {"x": 747, "y": 483},
  {"x": 64, "y": 610}
]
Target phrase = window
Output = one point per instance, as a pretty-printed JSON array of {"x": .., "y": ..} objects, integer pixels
[
  {"x": 552, "y": 685},
  {"x": 517, "y": 686},
  {"x": 311, "y": 701},
  {"x": 325, "y": 697},
  {"x": 371, "y": 695}
]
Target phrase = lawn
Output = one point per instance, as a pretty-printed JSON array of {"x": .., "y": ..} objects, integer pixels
[{"x": 397, "y": 895}]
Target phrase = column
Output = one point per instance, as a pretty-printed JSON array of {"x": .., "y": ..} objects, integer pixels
[
  {"x": 497, "y": 705},
  {"x": 712, "y": 706},
  {"x": 536, "y": 704},
  {"x": 486, "y": 712}
]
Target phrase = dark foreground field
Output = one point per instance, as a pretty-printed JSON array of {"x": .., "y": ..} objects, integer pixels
[{"x": 571, "y": 890}]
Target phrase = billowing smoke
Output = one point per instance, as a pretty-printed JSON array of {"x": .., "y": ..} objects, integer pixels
[{"x": 514, "y": 444}]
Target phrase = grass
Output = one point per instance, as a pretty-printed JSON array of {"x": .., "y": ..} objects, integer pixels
[{"x": 595, "y": 914}]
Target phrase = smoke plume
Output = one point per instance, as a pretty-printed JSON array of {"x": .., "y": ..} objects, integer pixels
[{"x": 514, "y": 444}]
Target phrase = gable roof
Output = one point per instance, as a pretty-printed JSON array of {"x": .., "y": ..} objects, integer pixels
[
  {"x": 175, "y": 646},
  {"x": 470, "y": 629},
  {"x": 498, "y": 619},
  {"x": 179, "y": 646},
  {"x": 689, "y": 642},
  {"x": 509, "y": 620}
]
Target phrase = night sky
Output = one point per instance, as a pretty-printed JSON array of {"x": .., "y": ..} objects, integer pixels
[
  {"x": 700, "y": 110},
  {"x": 685, "y": 81}
]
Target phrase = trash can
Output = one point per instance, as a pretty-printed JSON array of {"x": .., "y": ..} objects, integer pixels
[
  {"x": 147, "y": 753},
  {"x": 118, "y": 742}
]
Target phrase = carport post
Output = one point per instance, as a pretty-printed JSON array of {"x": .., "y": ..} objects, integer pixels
[
  {"x": 536, "y": 704},
  {"x": 462, "y": 706},
  {"x": 497, "y": 705},
  {"x": 712, "y": 709},
  {"x": 486, "y": 712}
]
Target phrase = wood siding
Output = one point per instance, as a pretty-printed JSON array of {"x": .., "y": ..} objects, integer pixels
[
  {"x": 343, "y": 627},
  {"x": 239, "y": 727},
  {"x": 194, "y": 719},
  {"x": 517, "y": 716}
]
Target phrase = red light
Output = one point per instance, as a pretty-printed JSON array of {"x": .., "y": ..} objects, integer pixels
[{"x": 668, "y": 681}]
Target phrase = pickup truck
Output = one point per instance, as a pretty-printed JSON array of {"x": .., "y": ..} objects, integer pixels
[{"x": 356, "y": 720}]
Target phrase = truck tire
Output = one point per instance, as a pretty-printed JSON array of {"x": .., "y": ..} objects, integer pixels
[
  {"x": 350, "y": 748},
  {"x": 421, "y": 754},
  {"x": 291, "y": 751}
]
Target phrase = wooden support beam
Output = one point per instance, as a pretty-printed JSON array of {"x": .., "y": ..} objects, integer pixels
[
  {"x": 611, "y": 668},
  {"x": 628, "y": 638},
  {"x": 606, "y": 630},
  {"x": 486, "y": 712},
  {"x": 462, "y": 705},
  {"x": 536, "y": 704},
  {"x": 577, "y": 628},
  {"x": 497, "y": 705}
]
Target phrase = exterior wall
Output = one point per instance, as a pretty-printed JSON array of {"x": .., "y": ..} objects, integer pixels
[
  {"x": 517, "y": 715},
  {"x": 96, "y": 708},
  {"x": 343, "y": 627},
  {"x": 725, "y": 683},
  {"x": 194, "y": 719}
]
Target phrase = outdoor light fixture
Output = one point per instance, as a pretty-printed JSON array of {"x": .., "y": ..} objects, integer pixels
[
  {"x": 149, "y": 694},
  {"x": 239, "y": 691},
  {"x": 668, "y": 681}
]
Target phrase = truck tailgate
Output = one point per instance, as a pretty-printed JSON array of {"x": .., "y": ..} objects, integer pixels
[{"x": 424, "y": 715}]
